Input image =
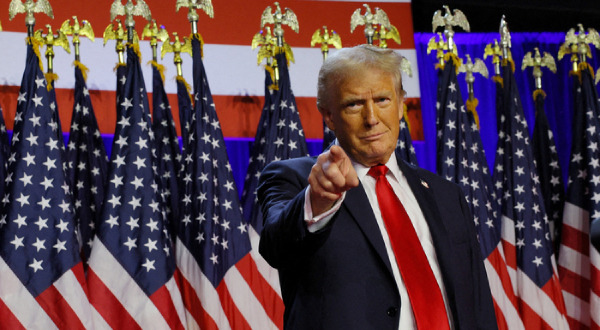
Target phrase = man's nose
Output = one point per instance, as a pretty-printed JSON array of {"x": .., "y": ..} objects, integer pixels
[{"x": 371, "y": 115}]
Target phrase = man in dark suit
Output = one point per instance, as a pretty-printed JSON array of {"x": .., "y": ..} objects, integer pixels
[{"x": 331, "y": 224}]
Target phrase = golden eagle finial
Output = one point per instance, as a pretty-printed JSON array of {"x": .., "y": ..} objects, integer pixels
[
  {"x": 368, "y": 19},
  {"x": 76, "y": 30},
  {"x": 176, "y": 47},
  {"x": 326, "y": 38},
  {"x": 193, "y": 6},
  {"x": 448, "y": 20}
]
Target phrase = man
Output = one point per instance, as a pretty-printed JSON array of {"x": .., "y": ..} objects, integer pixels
[{"x": 340, "y": 228}]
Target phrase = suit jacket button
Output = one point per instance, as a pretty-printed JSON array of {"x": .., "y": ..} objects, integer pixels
[{"x": 392, "y": 311}]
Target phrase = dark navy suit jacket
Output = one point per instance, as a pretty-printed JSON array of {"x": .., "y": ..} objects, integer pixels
[{"x": 340, "y": 277}]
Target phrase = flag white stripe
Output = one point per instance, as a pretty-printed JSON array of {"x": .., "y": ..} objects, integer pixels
[
  {"x": 576, "y": 217},
  {"x": 208, "y": 296},
  {"x": 508, "y": 230},
  {"x": 70, "y": 289},
  {"x": 124, "y": 288},
  {"x": 576, "y": 308},
  {"x": 99, "y": 321},
  {"x": 512, "y": 317},
  {"x": 539, "y": 302},
  {"x": 574, "y": 261},
  {"x": 270, "y": 274},
  {"x": 252, "y": 310},
  {"x": 241, "y": 62},
  {"x": 20, "y": 301},
  {"x": 176, "y": 298},
  {"x": 191, "y": 322}
]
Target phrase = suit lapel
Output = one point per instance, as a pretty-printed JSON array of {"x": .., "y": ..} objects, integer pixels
[{"x": 357, "y": 204}]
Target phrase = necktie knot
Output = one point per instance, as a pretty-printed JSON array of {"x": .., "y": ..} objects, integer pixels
[{"x": 378, "y": 170}]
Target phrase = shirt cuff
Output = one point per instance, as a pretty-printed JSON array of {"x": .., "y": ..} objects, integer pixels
[{"x": 316, "y": 223}]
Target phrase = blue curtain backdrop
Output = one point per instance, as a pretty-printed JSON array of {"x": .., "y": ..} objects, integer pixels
[{"x": 559, "y": 100}]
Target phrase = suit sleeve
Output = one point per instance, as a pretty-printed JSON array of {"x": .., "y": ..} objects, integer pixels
[{"x": 285, "y": 237}]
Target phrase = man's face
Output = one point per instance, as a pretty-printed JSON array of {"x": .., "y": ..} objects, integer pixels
[{"x": 364, "y": 112}]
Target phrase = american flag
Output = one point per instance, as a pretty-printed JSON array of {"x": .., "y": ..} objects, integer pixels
[
  {"x": 4, "y": 151},
  {"x": 167, "y": 148},
  {"x": 579, "y": 262},
  {"x": 132, "y": 265},
  {"x": 257, "y": 163},
  {"x": 218, "y": 273},
  {"x": 404, "y": 146},
  {"x": 43, "y": 282},
  {"x": 546, "y": 160},
  {"x": 87, "y": 163},
  {"x": 525, "y": 227},
  {"x": 462, "y": 160},
  {"x": 185, "y": 111}
]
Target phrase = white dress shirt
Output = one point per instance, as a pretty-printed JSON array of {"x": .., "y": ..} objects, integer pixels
[{"x": 398, "y": 182}]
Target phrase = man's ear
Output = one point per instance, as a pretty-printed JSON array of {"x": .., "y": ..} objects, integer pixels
[{"x": 327, "y": 118}]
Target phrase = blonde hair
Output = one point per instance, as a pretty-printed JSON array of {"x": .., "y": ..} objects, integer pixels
[{"x": 345, "y": 62}]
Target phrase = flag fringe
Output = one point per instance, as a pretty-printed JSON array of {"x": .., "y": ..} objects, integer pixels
[
  {"x": 454, "y": 58},
  {"x": 36, "y": 48},
  {"x": 185, "y": 83},
  {"x": 51, "y": 77},
  {"x": 160, "y": 68},
  {"x": 198, "y": 36},
  {"x": 506, "y": 61},
  {"x": 472, "y": 108},
  {"x": 84, "y": 70},
  {"x": 539, "y": 92},
  {"x": 498, "y": 79}
]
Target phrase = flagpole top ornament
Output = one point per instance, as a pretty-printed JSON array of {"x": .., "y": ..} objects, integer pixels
[
  {"x": 495, "y": 52},
  {"x": 118, "y": 34},
  {"x": 448, "y": 19},
  {"x": 155, "y": 33},
  {"x": 76, "y": 30},
  {"x": 326, "y": 38},
  {"x": 368, "y": 19},
  {"x": 383, "y": 34},
  {"x": 176, "y": 47},
  {"x": 50, "y": 40},
  {"x": 537, "y": 61},
  {"x": 193, "y": 6},
  {"x": 279, "y": 18},
  {"x": 470, "y": 67},
  {"x": 29, "y": 8},
  {"x": 129, "y": 10},
  {"x": 577, "y": 44},
  {"x": 505, "y": 39}
]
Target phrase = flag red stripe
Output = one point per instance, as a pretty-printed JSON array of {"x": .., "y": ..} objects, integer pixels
[
  {"x": 193, "y": 305},
  {"x": 574, "y": 283},
  {"x": 261, "y": 289},
  {"x": 575, "y": 324},
  {"x": 163, "y": 302},
  {"x": 108, "y": 305},
  {"x": 499, "y": 265},
  {"x": 552, "y": 288},
  {"x": 576, "y": 240},
  {"x": 58, "y": 309},
  {"x": 531, "y": 319},
  {"x": 229, "y": 109},
  {"x": 510, "y": 253},
  {"x": 8, "y": 320},
  {"x": 500, "y": 320},
  {"x": 235, "y": 317},
  {"x": 80, "y": 276}
]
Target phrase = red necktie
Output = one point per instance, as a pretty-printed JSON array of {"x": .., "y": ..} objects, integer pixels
[{"x": 423, "y": 291}]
